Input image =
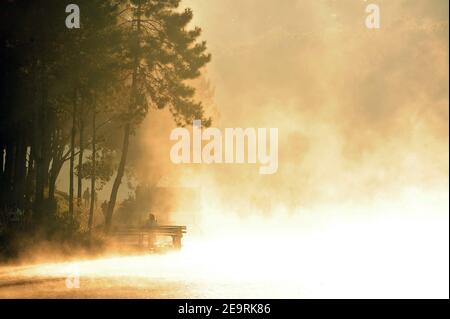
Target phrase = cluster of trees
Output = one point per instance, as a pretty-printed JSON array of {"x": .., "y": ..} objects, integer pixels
[{"x": 78, "y": 95}]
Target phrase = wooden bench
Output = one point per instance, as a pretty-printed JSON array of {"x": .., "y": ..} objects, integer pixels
[{"x": 145, "y": 236}]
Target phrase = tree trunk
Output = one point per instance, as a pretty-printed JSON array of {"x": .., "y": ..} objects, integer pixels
[
  {"x": 80, "y": 159},
  {"x": 19, "y": 173},
  {"x": 29, "y": 183},
  {"x": 36, "y": 147},
  {"x": 2, "y": 154},
  {"x": 42, "y": 154},
  {"x": 9, "y": 172},
  {"x": 118, "y": 179},
  {"x": 2, "y": 192},
  {"x": 72, "y": 154},
  {"x": 91, "y": 208},
  {"x": 54, "y": 172},
  {"x": 57, "y": 162},
  {"x": 127, "y": 131}
]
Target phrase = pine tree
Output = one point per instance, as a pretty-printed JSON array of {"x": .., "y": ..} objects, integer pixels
[{"x": 161, "y": 54}]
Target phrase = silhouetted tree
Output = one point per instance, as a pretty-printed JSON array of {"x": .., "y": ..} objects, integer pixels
[{"x": 160, "y": 54}]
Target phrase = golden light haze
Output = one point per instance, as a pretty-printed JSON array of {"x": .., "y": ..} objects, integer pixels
[
  {"x": 360, "y": 112},
  {"x": 360, "y": 199},
  {"x": 359, "y": 204}
]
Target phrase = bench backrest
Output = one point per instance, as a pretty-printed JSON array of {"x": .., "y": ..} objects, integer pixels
[{"x": 161, "y": 230}]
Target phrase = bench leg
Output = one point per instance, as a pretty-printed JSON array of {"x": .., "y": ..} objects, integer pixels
[
  {"x": 176, "y": 241},
  {"x": 140, "y": 240},
  {"x": 151, "y": 240}
]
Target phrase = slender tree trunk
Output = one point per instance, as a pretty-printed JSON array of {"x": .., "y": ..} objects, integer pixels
[
  {"x": 54, "y": 172},
  {"x": 2, "y": 192},
  {"x": 8, "y": 175},
  {"x": 52, "y": 184},
  {"x": 42, "y": 154},
  {"x": 2, "y": 163},
  {"x": 57, "y": 162},
  {"x": 80, "y": 159},
  {"x": 29, "y": 183},
  {"x": 118, "y": 179},
  {"x": 93, "y": 173},
  {"x": 127, "y": 131},
  {"x": 37, "y": 146},
  {"x": 72, "y": 154},
  {"x": 9, "y": 171},
  {"x": 19, "y": 174}
]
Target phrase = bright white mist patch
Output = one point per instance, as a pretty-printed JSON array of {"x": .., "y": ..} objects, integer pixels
[{"x": 402, "y": 251}]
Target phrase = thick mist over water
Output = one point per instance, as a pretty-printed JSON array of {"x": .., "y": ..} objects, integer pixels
[{"x": 359, "y": 204}]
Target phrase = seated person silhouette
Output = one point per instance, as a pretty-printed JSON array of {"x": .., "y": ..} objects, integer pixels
[{"x": 151, "y": 221}]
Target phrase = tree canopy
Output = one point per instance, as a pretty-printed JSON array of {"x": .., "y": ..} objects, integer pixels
[{"x": 71, "y": 94}]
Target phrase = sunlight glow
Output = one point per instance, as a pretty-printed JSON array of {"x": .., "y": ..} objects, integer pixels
[{"x": 374, "y": 256}]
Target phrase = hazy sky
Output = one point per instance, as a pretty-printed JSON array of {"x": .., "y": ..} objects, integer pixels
[{"x": 359, "y": 111}]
